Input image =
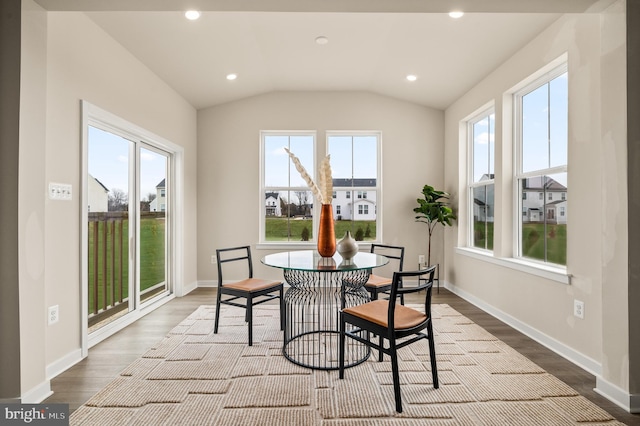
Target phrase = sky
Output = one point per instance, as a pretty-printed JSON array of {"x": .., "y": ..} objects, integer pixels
[
  {"x": 350, "y": 156},
  {"x": 539, "y": 125},
  {"x": 108, "y": 161}
]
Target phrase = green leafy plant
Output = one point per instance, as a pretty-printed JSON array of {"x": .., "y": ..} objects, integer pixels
[{"x": 432, "y": 210}]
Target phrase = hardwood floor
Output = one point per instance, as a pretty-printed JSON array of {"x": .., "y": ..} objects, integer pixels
[{"x": 76, "y": 385}]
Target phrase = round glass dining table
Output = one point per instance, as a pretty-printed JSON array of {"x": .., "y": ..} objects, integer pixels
[{"x": 319, "y": 288}]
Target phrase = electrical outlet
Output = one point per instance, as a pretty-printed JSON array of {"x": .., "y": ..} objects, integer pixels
[
  {"x": 54, "y": 314},
  {"x": 213, "y": 259},
  {"x": 578, "y": 308},
  {"x": 421, "y": 259}
]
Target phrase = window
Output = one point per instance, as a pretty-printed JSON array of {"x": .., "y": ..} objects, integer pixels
[
  {"x": 363, "y": 209},
  {"x": 481, "y": 179},
  {"x": 289, "y": 217},
  {"x": 541, "y": 153},
  {"x": 355, "y": 163},
  {"x": 338, "y": 209}
]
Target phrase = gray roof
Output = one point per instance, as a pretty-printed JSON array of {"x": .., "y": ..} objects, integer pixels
[{"x": 355, "y": 182}]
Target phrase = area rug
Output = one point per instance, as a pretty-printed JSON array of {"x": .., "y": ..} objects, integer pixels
[{"x": 195, "y": 377}]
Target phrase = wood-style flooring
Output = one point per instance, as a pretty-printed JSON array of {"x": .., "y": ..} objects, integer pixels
[{"x": 76, "y": 385}]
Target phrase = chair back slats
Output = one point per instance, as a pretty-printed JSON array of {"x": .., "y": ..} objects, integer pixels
[
  {"x": 234, "y": 254},
  {"x": 423, "y": 284},
  {"x": 394, "y": 253}
]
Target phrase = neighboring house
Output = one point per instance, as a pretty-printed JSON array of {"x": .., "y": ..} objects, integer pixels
[
  {"x": 483, "y": 201},
  {"x": 354, "y": 204},
  {"x": 159, "y": 204},
  {"x": 348, "y": 203},
  {"x": 98, "y": 196},
  {"x": 272, "y": 204},
  {"x": 544, "y": 197}
]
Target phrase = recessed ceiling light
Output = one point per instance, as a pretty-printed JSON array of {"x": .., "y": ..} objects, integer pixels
[
  {"x": 412, "y": 77},
  {"x": 455, "y": 14},
  {"x": 192, "y": 15},
  {"x": 232, "y": 76},
  {"x": 322, "y": 40}
]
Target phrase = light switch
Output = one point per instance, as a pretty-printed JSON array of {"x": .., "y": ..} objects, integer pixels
[{"x": 60, "y": 191}]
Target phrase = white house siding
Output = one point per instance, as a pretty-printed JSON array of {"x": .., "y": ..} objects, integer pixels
[
  {"x": 98, "y": 196},
  {"x": 348, "y": 207}
]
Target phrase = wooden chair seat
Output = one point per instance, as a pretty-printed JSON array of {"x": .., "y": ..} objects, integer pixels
[
  {"x": 377, "y": 312},
  {"x": 252, "y": 284},
  {"x": 376, "y": 281}
]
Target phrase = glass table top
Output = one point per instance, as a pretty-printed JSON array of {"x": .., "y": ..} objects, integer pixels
[{"x": 310, "y": 260}]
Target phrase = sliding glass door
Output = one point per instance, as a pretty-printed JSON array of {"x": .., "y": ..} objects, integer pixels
[
  {"x": 153, "y": 190},
  {"x": 128, "y": 187}
]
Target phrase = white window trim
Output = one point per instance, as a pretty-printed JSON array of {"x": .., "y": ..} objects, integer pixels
[
  {"x": 283, "y": 245},
  {"x": 378, "y": 187},
  {"x": 552, "y": 70},
  {"x": 548, "y": 271},
  {"x": 480, "y": 114}
]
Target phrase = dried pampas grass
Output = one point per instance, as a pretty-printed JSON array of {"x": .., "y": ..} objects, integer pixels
[{"x": 324, "y": 191}]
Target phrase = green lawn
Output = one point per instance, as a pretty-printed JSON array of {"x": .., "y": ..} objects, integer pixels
[
  {"x": 482, "y": 235},
  {"x": 152, "y": 258},
  {"x": 533, "y": 242},
  {"x": 290, "y": 229}
]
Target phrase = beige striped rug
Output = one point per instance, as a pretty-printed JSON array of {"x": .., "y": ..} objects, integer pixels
[{"x": 195, "y": 377}]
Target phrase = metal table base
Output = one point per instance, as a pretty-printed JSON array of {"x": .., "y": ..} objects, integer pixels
[{"x": 312, "y": 308}]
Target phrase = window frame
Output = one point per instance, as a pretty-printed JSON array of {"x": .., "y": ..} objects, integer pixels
[
  {"x": 484, "y": 112},
  {"x": 352, "y": 193},
  {"x": 262, "y": 242},
  {"x": 543, "y": 77}
]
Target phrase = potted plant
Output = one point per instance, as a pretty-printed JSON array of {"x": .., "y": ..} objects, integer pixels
[{"x": 432, "y": 210}]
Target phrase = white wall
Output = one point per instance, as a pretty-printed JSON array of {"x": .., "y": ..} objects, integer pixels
[
  {"x": 82, "y": 62},
  {"x": 229, "y": 154},
  {"x": 542, "y": 307}
]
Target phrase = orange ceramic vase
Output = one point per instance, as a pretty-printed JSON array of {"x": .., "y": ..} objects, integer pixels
[{"x": 326, "y": 232}]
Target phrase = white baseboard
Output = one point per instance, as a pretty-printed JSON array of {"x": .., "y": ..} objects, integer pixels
[
  {"x": 582, "y": 361},
  {"x": 617, "y": 395},
  {"x": 207, "y": 283},
  {"x": 64, "y": 363},
  {"x": 37, "y": 394},
  {"x": 188, "y": 289}
]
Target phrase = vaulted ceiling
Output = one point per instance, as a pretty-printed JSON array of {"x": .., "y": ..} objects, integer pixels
[{"x": 371, "y": 45}]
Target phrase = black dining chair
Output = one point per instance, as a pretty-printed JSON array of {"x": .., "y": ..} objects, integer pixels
[
  {"x": 392, "y": 322},
  {"x": 254, "y": 291},
  {"x": 379, "y": 284}
]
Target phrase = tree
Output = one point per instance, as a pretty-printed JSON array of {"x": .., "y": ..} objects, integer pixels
[
  {"x": 432, "y": 210},
  {"x": 284, "y": 207},
  {"x": 118, "y": 201},
  {"x": 151, "y": 196},
  {"x": 303, "y": 202}
]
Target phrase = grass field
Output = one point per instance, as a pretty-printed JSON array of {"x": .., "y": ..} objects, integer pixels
[
  {"x": 482, "y": 236},
  {"x": 532, "y": 239},
  {"x": 283, "y": 229},
  {"x": 152, "y": 258},
  {"x": 533, "y": 242}
]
